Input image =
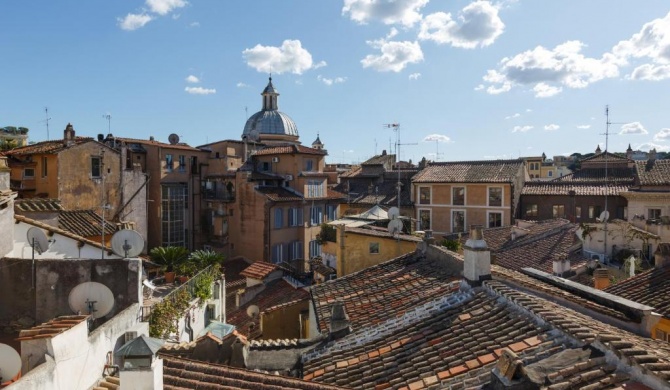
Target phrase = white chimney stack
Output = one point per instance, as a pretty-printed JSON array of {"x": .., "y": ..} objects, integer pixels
[{"x": 477, "y": 256}]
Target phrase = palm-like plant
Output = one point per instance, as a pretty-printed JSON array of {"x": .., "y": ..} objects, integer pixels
[
  {"x": 203, "y": 259},
  {"x": 169, "y": 256}
]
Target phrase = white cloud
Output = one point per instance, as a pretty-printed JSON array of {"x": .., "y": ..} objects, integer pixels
[
  {"x": 319, "y": 64},
  {"x": 134, "y": 21},
  {"x": 405, "y": 12},
  {"x": 176, "y": 16},
  {"x": 633, "y": 128},
  {"x": 329, "y": 82},
  {"x": 583, "y": 127},
  {"x": 477, "y": 25},
  {"x": 662, "y": 135},
  {"x": 552, "y": 127},
  {"x": 192, "y": 79},
  {"x": 479, "y": 87},
  {"x": 521, "y": 129},
  {"x": 290, "y": 57},
  {"x": 543, "y": 90},
  {"x": 194, "y": 24},
  {"x": 650, "y": 72},
  {"x": 549, "y": 70},
  {"x": 242, "y": 85},
  {"x": 414, "y": 76},
  {"x": 650, "y": 145},
  {"x": 652, "y": 43},
  {"x": 392, "y": 33},
  {"x": 529, "y": 110},
  {"x": 200, "y": 90},
  {"x": 164, "y": 7},
  {"x": 395, "y": 56},
  {"x": 437, "y": 137},
  {"x": 515, "y": 115}
]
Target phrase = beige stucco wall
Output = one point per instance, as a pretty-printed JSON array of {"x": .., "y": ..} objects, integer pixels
[{"x": 284, "y": 322}]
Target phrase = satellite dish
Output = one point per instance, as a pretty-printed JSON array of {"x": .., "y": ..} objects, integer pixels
[
  {"x": 604, "y": 216},
  {"x": 395, "y": 226},
  {"x": 254, "y": 135},
  {"x": 91, "y": 298},
  {"x": 10, "y": 363},
  {"x": 252, "y": 311},
  {"x": 393, "y": 213},
  {"x": 127, "y": 243},
  {"x": 38, "y": 240},
  {"x": 173, "y": 139}
]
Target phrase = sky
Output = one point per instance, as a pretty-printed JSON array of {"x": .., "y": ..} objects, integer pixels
[{"x": 465, "y": 80}]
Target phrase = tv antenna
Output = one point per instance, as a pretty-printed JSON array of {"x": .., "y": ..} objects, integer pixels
[
  {"x": 396, "y": 129},
  {"x": 46, "y": 120},
  {"x": 108, "y": 116},
  {"x": 437, "y": 150}
]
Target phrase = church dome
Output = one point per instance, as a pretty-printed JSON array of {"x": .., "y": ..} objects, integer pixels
[{"x": 270, "y": 124}]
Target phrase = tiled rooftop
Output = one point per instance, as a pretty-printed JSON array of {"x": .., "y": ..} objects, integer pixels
[
  {"x": 620, "y": 176},
  {"x": 180, "y": 146},
  {"x": 280, "y": 194},
  {"x": 45, "y": 147},
  {"x": 51, "y": 328},
  {"x": 653, "y": 172},
  {"x": 179, "y": 373},
  {"x": 289, "y": 149},
  {"x": 44, "y": 226},
  {"x": 580, "y": 189},
  {"x": 385, "y": 193},
  {"x": 37, "y": 204},
  {"x": 488, "y": 171},
  {"x": 383, "y": 291},
  {"x": 85, "y": 223},
  {"x": 258, "y": 270},
  {"x": 605, "y": 156},
  {"x": 276, "y": 293},
  {"x": 651, "y": 287}
]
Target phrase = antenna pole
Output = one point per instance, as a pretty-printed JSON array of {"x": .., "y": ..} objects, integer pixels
[
  {"x": 108, "y": 116},
  {"x": 46, "y": 112},
  {"x": 33, "y": 266},
  {"x": 607, "y": 134}
]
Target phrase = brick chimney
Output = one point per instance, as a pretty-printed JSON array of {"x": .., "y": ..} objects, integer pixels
[
  {"x": 68, "y": 135},
  {"x": 561, "y": 265},
  {"x": 477, "y": 256},
  {"x": 662, "y": 255},
  {"x": 601, "y": 278}
]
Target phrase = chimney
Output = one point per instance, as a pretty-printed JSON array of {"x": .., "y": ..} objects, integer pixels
[
  {"x": 601, "y": 278},
  {"x": 629, "y": 152},
  {"x": 561, "y": 265},
  {"x": 339, "y": 321},
  {"x": 662, "y": 255},
  {"x": 141, "y": 367},
  {"x": 384, "y": 152},
  {"x": 101, "y": 137},
  {"x": 651, "y": 156},
  {"x": 477, "y": 267},
  {"x": 4, "y": 174},
  {"x": 68, "y": 135}
]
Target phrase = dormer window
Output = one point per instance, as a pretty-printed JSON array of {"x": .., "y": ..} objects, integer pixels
[{"x": 309, "y": 165}]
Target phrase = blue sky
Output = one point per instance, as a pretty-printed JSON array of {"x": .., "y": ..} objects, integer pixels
[{"x": 470, "y": 79}]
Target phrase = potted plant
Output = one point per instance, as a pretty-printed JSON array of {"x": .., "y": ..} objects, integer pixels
[
  {"x": 185, "y": 270},
  {"x": 169, "y": 257},
  {"x": 203, "y": 259}
]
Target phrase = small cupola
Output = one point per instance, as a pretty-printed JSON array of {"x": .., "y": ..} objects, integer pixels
[
  {"x": 317, "y": 144},
  {"x": 140, "y": 363}
]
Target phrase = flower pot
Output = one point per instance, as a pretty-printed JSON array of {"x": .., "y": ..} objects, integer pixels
[
  {"x": 169, "y": 277},
  {"x": 183, "y": 279}
]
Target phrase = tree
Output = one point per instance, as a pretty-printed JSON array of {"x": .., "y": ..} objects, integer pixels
[
  {"x": 169, "y": 256},
  {"x": 8, "y": 144}
]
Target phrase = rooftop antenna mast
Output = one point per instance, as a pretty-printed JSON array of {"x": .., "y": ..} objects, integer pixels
[
  {"x": 246, "y": 113},
  {"x": 396, "y": 129},
  {"x": 108, "y": 116},
  {"x": 437, "y": 150},
  {"x": 48, "y": 118},
  {"x": 607, "y": 135}
]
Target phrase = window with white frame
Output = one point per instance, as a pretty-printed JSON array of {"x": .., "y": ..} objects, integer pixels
[
  {"x": 315, "y": 188},
  {"x": 314, "y": 249},
  {"x": 315, "y": 215},
  {"x": 169, "y": 163},
  {"x": 331, "y": 212},
  {"x": 424, "y": 219},
  {"x": 424, "y": 195},
  {"x": 28, "y": 173},
  {"x": 295, "y": 216},
  {"x": 495, "y": 196},
  {"x": 458, "y": 196},
  {"x": 279, "y": 218},
  {"x": 278, "y": 253},
  {"x": 495, "y": 219},
  {"x": 458, "y": 221}
]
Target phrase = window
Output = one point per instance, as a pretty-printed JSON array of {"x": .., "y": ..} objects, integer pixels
[
  {"x": 374, "y": 248},
  {"x": 295, "y": 217},
  {"x": 29, "y": 173},
  {"x": 558, "y": 211},
  {"x": 458, "y": 196},
  {"x": 279, "y": 218},
  {"x": 44, "y": 167},
  {"x": 331, "y": 212},
  {"x": 495, "y": 196},
  {"x": 495, "y": 220},
  {"x": 458, "y": 221},
  {"x": 194, "y": 165},
  {"x": 578, "y": 212},
  {"x": 550, "y": 173},
  {"x": 594, "y": 212},
  {"x": 314, "y": 249},
  {"x": 316, "y": 215},
  {"x": 295, "y": 250},
  {"x": 96, "y": 167},
  {"x": 182, "y": 163},
  {"x": 424, "y": 195},
  {"x": 424, "y": 219},
  {"x": 174, "y": 200},
  {"x": 654, "y": 214},
  {"x": 309, "y": 165},
  {"x": 278, "y": 253},
  {"x": 315, "y": 188},
  {"x": 169, "y": 164},
  {"x": 531, "y": 210}
]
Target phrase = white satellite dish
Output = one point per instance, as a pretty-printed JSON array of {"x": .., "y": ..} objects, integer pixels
[
  {"x": 252, "y": 311},
  {"x": 254, "y": 135},
  {"x": 393, "y": 213},
  {"x": 395, "y": 226},
  {"x": 91, "y": 298},
  {"x": 173, "y": 139},
  {"x": 127, "y": 243},
  {"x": 10, "y": 363},
  {"x": 604, "y": 216},
  {"x": 38, "y": 240}
]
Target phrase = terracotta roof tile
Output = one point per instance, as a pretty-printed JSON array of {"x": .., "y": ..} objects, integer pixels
[
  {"x": 493, "y": 171},
  {"x": 258, "y": 270},
  {"x": 180, "y": 146},
  {"x": 604, "y": 156},
  {"x": 580, "y": 189},
  {"x": 653, "y": 172},
  {"x": 41, "y": 225},
  {"x": 37, "y": 204},
  {"x": 280, "y": 194},
  {"x": 85, "y": 223},
  {"x": 289, "y": 149},
  {"x": 651, "y": 287},
  {"x": 45, "y": 147},
  {"x": 620, "y": 176},
  {"x": 51, "y": 328}
]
